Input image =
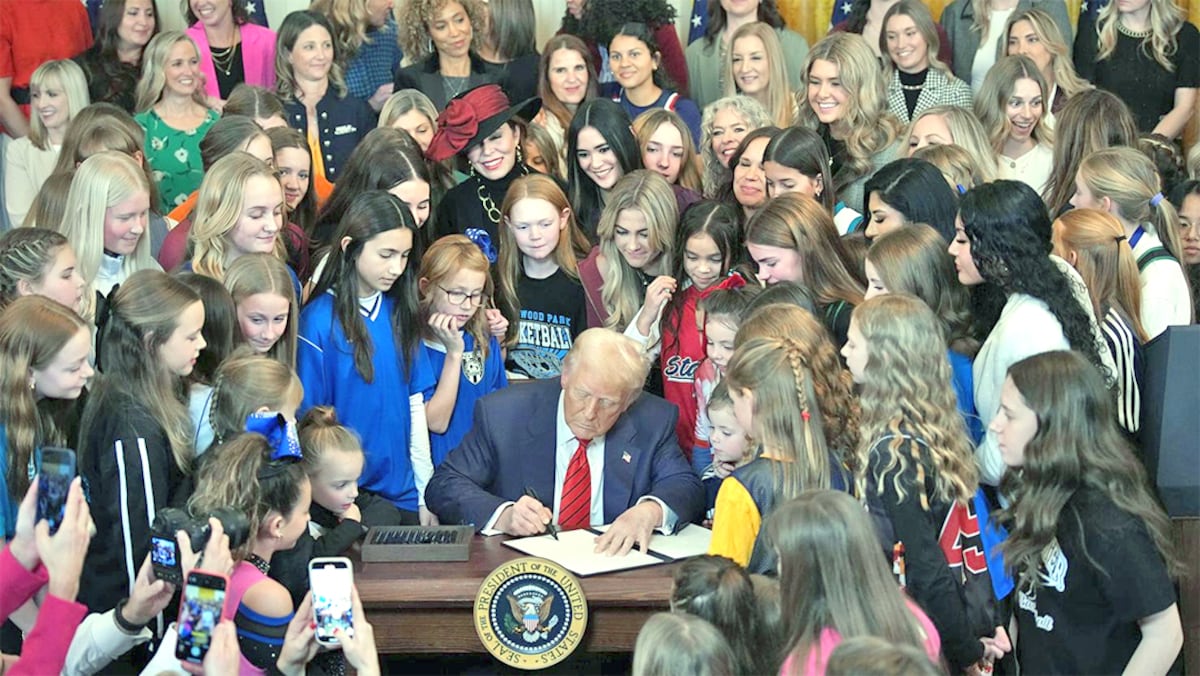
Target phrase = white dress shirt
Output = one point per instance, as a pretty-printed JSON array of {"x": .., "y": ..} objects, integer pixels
[{"x": 565, "y": 445}]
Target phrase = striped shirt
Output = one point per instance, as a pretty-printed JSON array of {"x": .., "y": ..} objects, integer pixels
[{"x": 1126, "y": 352}]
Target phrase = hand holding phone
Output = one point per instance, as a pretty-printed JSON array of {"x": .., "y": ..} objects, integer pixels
[
  {"x": 332, "y": 581},
  {"x": 200, "y": 610},
  {"x": 63, "y": 552},
  {"x": 56, "y": 470}
]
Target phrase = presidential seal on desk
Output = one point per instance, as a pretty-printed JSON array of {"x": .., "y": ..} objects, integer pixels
[{"x": 530, "y": 613}]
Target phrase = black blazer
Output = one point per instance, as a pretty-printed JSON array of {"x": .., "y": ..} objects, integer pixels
[
  {"x": 343, "y": 123},
  {"x": 424, "y": 77}
]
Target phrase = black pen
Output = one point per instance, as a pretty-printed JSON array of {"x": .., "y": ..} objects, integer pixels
[{"x": 550, "y": 527}]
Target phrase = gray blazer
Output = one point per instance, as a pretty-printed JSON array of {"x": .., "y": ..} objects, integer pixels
[
  {"x": 959, "y": 17},
  {"x": 940, "y": 89}
]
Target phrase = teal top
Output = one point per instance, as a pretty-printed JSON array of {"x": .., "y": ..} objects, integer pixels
[
  {"x": 8, "y": 504},
  {"x": 174, "y": 157}
]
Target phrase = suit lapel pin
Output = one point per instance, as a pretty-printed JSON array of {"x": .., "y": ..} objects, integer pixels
[{"x": 626, "y": 457}]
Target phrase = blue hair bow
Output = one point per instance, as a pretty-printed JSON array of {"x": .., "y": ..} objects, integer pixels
[
  {"x": 281, "y": 434},
  {"x": 484, "y": 241}
]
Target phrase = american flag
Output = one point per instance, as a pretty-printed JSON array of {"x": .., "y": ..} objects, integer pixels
[
  {"x": 1092, "y": 8},
  {"x": 256, "y": 11},
  {"x": 841, "y": 11},
  {"x": 699, "y": 20}
]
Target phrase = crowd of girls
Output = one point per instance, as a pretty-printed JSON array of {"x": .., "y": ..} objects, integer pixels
[{"x": 873, "y": 350}]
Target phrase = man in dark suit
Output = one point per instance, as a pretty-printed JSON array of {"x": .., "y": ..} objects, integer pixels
[{"x": 531, "y": 442}]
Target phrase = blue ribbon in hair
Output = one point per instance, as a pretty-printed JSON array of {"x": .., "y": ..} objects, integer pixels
[
  {"x": 484, "y": 241},
  {"x": 280, "y": 434}
]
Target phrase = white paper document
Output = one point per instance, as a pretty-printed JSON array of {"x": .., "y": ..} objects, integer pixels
[
  {"x": 575, "y": 551},
  {"x": 691, "y": 540}
]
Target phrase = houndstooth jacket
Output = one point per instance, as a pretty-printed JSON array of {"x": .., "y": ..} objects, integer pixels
[{"x": 940, "y": 89}]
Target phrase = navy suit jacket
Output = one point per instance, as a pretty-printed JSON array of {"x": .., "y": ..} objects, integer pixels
[{"x": 511, "y": 447}]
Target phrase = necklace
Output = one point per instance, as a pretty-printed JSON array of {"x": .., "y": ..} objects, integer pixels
[
  {"x": 913, "y": 88},
  {"x": 258, "y": 562},
  {"x": 489, "y": 205},
  {"x": 453, "y": 90},
  {"x": 223, "y": 58},
  {"x": 1139, "y": 35}
]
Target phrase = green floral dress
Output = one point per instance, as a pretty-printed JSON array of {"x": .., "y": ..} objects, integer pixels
[{"x": 174, "y": 156}]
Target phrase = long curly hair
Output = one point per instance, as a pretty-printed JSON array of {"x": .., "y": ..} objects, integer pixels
[
  {"x": 602, "y": 19},
  {"x": 1009, "y": 230},
  {"x": 1077, "y": 446},
  {"x": 831, "y": 383},
  {"x": 906, "y": 393},
  {"x": 869, "y": 126},
  {"x": 753, "y": 116},
  {"x": 412, "y": 20},
  {"x": 1166, "y": 18}
]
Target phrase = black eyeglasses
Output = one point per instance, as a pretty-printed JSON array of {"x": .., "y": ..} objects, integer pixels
[{"x": 459, "y": 297}]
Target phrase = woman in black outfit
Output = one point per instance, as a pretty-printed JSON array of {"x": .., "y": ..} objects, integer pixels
[
  {"x": 478, "y": 126},
  {"x": 113, "y": 64}
]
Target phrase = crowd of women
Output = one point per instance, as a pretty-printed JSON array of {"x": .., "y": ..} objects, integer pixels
[{"x": 898, "y": 285}]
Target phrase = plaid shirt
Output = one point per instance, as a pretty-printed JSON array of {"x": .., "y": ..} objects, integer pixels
[
  {"x": 375, "y": 63},
  {"x": 939, "y": 89}
]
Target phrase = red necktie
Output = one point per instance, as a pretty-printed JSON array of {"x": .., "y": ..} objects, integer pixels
[{"x": 575, "y": 507}]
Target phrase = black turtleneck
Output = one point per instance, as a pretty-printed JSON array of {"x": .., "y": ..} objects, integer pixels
[
  {"x": 462, "y": 207},
  {"x": 911, "y": 84}
]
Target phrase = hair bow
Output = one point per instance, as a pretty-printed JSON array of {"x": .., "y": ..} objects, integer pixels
[
  {"x": 103, "y": 314},
  {"x": 456, "y": 126},
  {"x": 280, "y": 434},
  {"x": 734, "y": 281},
  {"x": 483, "y": 240}
]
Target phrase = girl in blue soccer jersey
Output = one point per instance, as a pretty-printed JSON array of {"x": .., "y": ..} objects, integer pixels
[
  {"x": 461, "y": 338},
  {"x": 359, "y": 350}
]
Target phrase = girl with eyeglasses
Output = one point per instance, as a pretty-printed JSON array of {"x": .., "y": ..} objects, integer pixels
[{"x": 461, "y": 338}]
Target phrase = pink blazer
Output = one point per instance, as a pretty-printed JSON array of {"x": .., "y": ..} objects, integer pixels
[{"x": 258, "y": 57}]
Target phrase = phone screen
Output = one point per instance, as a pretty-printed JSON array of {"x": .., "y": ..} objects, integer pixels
[
  {"x": 54, "y": 480},
  {"x": 164, "y": 554},
  {"x": 331, "y": 584},
  {"x": 199, "y": 613}
]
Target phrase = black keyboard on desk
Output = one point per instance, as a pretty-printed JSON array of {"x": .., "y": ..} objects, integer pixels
[{"x": 417, "y": 543}]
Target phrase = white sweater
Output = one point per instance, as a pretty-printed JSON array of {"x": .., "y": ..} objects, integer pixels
[
  {"x": 1165, "y": 300},
  {"x": 1026, "y": 327}
]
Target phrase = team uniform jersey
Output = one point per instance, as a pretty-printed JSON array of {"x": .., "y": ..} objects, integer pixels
[
  {"x": 933, "y": 545},
  {"x": 377, "y": 411},
  {"x": 553, "y": 313},
  {"x": 1099, "y": 575},
  {"x": 479, "y": 376},
  {"x": 744, "y": 501}
]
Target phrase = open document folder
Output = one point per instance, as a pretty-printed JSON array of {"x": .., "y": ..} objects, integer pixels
[{"x": 574, "y": 550}]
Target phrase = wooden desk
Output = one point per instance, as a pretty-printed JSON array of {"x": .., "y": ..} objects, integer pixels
[{"x": 426, "y": 607}]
